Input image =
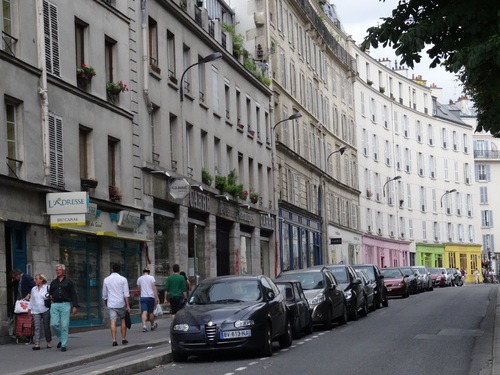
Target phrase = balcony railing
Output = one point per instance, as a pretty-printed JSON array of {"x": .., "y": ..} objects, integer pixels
[{"x": 486, "y": 154}]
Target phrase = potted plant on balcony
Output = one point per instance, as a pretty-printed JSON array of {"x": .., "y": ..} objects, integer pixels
[
  {"x": 243, "y": 195},
  {"x": 220, "y": 183},
  {"x": 206, "y": 177},
  {"x": 114, "y": 89},
  {"x": 254, "y": 196},
  {"x": 115, "y": 194},
  {"x": 84, "y": 75}
]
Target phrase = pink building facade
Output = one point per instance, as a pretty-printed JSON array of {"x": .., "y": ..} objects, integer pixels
[{"x": 386, "y": 253}]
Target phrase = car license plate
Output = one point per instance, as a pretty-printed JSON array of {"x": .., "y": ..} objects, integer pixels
[{"x": 235, "y": 334}]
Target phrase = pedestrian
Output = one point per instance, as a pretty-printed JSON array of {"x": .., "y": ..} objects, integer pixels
[
  {"x": 188, "y": 283},
  {"x": 64, "y": 301},
  {"x": 148, "y": 299},
  {"x": 476, "y": 276},
  {"x": 22, "y": 284},
  {"x": 115, "y": 294},
  {"x": 41, "y": 313},
  {"x": 175, "y": 290}
]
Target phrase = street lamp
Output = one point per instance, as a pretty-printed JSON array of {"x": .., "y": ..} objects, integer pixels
[
  {"x": 341, "y": 150},
  {"x": 294, "y": 116},
  {"x": 445, "y": 193},
  {"x": 211, "y": 57},
  {"x": 392, "y": 179}
]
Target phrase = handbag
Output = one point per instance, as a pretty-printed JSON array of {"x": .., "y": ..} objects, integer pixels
[
  {"x": 46, "y": 299},
  {"x": 21, "y": 307},
  {"x": 128, "y": 321},
  {"x": 158, "y": 311}
]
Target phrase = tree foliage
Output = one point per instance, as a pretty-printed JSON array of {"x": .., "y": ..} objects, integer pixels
[{"x": 461, "y": 35}]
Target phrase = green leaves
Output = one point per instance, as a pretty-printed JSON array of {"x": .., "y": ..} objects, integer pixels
[{"x": 462, "y": 36}]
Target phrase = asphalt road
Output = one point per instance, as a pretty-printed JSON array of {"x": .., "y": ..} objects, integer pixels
[{"x": 447, "y": 331}]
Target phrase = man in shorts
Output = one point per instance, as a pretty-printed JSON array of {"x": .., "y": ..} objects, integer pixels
[
  {"x": 149, "y": 299},
  {"x": 115, "y": 294}
]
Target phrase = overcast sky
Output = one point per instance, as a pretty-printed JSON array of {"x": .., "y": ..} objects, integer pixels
[{"x": 357, "y": 16}]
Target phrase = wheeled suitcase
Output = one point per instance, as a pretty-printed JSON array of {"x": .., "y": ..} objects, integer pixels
[{"x": 24, "y": 328}]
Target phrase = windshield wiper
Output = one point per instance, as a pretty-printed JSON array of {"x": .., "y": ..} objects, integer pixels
[{"x": 227, "y": 300}]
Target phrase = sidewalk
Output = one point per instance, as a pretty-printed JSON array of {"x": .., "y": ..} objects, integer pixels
[{"x": 144, "y": 351}]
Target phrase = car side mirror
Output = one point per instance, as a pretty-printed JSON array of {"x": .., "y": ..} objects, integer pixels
[{"x": 270, "y": 295}]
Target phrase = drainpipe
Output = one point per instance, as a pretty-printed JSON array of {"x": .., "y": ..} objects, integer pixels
[
  {"x": 42, "y": 90},
  {"x": 145, "y": 63}
]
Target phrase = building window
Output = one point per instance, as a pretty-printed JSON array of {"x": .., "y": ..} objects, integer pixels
[
  {"x": 113, "y": 165},
  {"x": 8, "y": 41},
  {"x": 202, "y": 81},
  {"x": 56, "y": 151},
  {"x": 80, "y": 44},
  {"x": 153, "y": 46},
  {"x": 109, "y": 47},
  {"x": 86, "y": 167},
  {"x": 12, "y": 124},
  {"x": 215, "y": 89},
  {"x": 51, "y": 32},
  {"x": 171, "y": 56},
  {"x": 186, "y": 57}
]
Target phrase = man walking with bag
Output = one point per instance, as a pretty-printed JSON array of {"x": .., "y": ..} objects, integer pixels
[
  {"x": 115, "y": 294},
  {"x": 64, "y": 300}
]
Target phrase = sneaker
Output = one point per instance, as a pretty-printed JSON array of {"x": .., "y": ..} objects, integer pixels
[
  {"x": 63, "y": 349},
  {"x": 153, "y": 327},
  {"x": 144, "y": 329},
  {"x": 59, "y": 345}
]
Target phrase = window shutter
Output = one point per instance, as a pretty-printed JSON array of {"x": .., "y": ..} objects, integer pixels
[
  {"x": 51, "y": 31},
  {"x": 56, "y": 151}
]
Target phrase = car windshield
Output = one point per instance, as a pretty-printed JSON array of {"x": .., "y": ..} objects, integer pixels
[
  {"x": 391, "y": 274},
  {"x": 407, "y": 271},
  {"x": 434, "y": 270},
  {"x": 340, "y": 274},
  {"x": 368, "y": 270},
  {"x": 309, "y": 280},
  {"x": 229, "y": 291}
]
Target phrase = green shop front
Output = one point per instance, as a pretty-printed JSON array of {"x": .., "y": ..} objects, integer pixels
[
  {"x": 429, "y": 255},
  {"x": 88, "y": 251}
]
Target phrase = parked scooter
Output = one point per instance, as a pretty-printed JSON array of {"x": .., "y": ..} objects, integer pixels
[{"x": 458, "y": 279}]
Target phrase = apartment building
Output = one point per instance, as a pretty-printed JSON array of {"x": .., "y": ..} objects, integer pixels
[
  {"x": 118, "y": 119},
  {"x": 416, "y": 172}
]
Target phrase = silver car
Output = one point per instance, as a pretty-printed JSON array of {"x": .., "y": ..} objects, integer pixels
[{"x": 425, "y": 276}]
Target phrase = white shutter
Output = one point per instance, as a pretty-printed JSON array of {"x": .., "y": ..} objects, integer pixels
[
  {"x": 56, "y": 151},
  {"x": 51, "y": 31}
]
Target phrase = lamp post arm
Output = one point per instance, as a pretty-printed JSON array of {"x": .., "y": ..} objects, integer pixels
[{"x": 182, "y": 79}]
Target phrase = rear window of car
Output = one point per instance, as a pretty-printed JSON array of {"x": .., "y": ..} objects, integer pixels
[
  {"x": 395, "y": 274},
  {"x": 308, "y": 280},
  {"x": 369, "y": 271}
]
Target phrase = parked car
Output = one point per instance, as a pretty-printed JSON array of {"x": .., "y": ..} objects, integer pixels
[
  {"x": 374, "y": 273},
  {"x": 354, "y": 291},
  {"x": 426, "y": 277},
  {"x": 438, "y": 278},
  {"x": 369, "y": 286},
  {"x": 411, "y": 280},
  {"x": 298, "y": 307},
  {"x": 231, "y": 313},
  {"x": 325, "y": 296},
  {"x": 394, "y": 280}
]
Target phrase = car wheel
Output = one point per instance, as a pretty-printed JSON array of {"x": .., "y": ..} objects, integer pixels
[
  {"x": 178, "y": 357},
  {"x": 296, "y": 329},
  {"x": 353, "y": 315},
  {"x": 364, "y": 311},
  {"x": 343, "y": 318},
  {"x": 285, "y": 340},
  {"x": 385, "y": 302},
  {"x": 328, "y": 322},
  {"x": 267, "y": 348}
]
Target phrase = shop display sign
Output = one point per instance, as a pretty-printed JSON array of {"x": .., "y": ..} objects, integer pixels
[
  {"x": 179, "y": 188},
  {"x": 128, "y": 220},
  {"x": 67, "y": 203},
  {"x": 67, "y": 220}
]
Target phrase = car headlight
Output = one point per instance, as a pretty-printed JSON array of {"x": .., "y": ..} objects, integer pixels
[
  {"x": 348, "y": 294},
  {"x": 244, "y": 323},
  {"x": 181, "y": 327},
  {"x": 317, "y": 300},
  {"x": 397, "y": 284}
]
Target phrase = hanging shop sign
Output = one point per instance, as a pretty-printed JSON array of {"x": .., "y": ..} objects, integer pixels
[
  {"x": 67, "y": 220},
  {"x": 179, "y": 188},
  {"x": 67, "y": 203},
  {"x": 128, "y": 220}
]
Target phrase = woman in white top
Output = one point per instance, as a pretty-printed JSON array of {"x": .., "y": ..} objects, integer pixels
[{"x": 39, "y": 311}]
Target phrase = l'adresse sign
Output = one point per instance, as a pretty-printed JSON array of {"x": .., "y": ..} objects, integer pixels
[{"x": 67, "y": 203}]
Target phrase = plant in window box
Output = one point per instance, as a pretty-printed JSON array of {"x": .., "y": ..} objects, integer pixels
[
  {"x": 243, "y": 195},
  {"x": 369, "y": 82},
  {"x": 206, "y": 177},
  {"x": 115, "y": 194},
  {"x": 88, "y": 183},
  {"x": 220, "y": 183},
  {"x": 254, "y": 196},
  {"x": 381, "y": 89},
  {"x": 85, "y": 72},
  {"x": 116, "y": 88}
]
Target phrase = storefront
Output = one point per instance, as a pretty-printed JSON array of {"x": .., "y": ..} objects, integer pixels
[
  {"x": 386, "y": 253},
  {"x": 300, "y": 245}
]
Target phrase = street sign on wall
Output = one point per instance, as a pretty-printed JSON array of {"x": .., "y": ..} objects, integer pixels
[{"x": 335, "y": 241}]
